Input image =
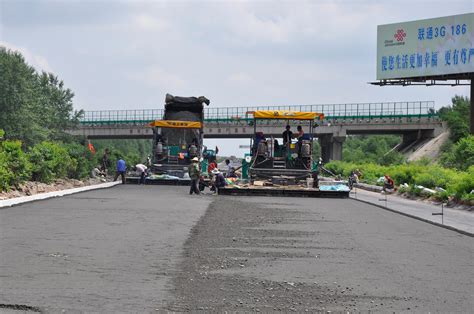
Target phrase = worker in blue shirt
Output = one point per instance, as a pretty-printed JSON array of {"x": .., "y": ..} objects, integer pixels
[{"x": 121, "y": 169}]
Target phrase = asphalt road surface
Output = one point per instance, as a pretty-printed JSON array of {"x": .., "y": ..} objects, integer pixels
[{"x": 146, "y": 248}]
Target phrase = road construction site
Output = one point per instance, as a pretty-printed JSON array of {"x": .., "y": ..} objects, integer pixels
[{"x": 134, "y": 248}]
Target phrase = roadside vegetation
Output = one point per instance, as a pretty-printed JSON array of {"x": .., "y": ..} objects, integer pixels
[
  {"x": 445, "y": 181},
  {"x": 35, "y": 109},
  {"x": 451, "y": 176}
]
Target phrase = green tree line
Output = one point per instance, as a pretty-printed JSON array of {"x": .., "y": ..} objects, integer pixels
[
  {"x": 34, "y": 106},
  {"x": 35, "y": 110}
]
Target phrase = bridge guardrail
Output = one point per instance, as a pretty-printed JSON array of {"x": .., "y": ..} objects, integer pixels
[{"x": 394, "y": 110}]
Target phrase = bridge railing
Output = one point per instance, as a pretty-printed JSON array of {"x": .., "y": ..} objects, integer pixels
[
  {"x": 233, "y": 114},
  {"x": 121, "y": 116}
]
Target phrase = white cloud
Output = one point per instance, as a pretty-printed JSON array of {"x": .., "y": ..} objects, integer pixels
[
  {"x": 157, "y": 76},
  {"x": 148, "y": 22},
  {"x": 37, "y": 61},
  {"x": 235, "y": 52},
  {"x": 240, "y": 77}
]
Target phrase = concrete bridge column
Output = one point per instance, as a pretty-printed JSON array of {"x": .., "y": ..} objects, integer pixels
[
  {"x": 331, "y": 147},
  {"x": 337, "y": 147}
]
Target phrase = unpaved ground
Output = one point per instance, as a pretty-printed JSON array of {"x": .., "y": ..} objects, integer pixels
[
  {"x": 32, "y": 188},
  {"x": 289, "y": 254}
]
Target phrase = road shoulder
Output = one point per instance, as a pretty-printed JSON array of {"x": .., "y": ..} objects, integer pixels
[{"x": 453, "y": 219}]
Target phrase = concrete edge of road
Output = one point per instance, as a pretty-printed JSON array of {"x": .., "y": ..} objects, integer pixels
[
  {"x": 42, "y": 196},
  {"x": 418, "y": 218}
]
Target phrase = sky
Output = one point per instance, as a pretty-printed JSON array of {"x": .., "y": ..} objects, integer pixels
[{"x": 129, "y": 54}]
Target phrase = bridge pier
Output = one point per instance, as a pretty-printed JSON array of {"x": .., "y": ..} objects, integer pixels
[{"x": 331, "y": 147}]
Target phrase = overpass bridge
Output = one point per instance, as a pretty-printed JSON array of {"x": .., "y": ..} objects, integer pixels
[{"x": 416, "y": 121}]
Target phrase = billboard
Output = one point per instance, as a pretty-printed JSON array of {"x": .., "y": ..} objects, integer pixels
[{"x": 424, "y": 48}]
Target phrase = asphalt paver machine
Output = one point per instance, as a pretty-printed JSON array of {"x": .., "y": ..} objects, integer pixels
[{"x": 294, "y": 159}]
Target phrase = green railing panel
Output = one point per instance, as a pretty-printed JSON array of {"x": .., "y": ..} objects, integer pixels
[{"x": 393, "y": 110}]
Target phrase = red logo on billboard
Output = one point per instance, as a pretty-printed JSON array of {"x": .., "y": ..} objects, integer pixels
[{"x": 400, "y": 35}]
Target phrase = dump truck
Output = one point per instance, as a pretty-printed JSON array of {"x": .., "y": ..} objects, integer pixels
[{"x": 177, "y": 139}]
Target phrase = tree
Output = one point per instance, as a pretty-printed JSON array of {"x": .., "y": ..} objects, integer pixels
[
  {"x": 461, "y": 154},
  {"x": 457, "y": 117},
  {"x": 56, "y": 105},
  {"x": 18, "y": 98},
  {"x": 373, "y": 148},
  {"x": 33, "y": 107}
]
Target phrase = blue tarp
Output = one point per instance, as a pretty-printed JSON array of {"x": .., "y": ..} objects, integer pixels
[{"x": 336, "y": 187}]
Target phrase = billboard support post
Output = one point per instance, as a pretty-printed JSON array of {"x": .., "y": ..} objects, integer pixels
[{"x": 471, "y": 121}]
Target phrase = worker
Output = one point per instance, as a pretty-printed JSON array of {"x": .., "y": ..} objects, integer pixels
[
  {"x": 194, "y": 174},
  {"x": 218, "y": 180},
  {"x": 276, "y": 148},
  {"x": 212, "y": 166},
  {"x": 358, "y": 173},
  {"x": 159, "y": 138},
  {"x": 192, "y": 149},
  {"x": 352, "y": 179},
  {"x": 121, "y": 169},
  {"x": 354, "y": 176},
  {"x": 230, "y": 169},
  {"x": 259, "y": 137},
  {"x": 141, "y": 169},
  {"x": 299, "y": 136},
  {"x": 388, "y": 183},
  {"x": 300, "y": 133},
  {"x": 105, "y": 161},
  {"x": 287, "y": 136},
  {"x": 97, "y": 172}
]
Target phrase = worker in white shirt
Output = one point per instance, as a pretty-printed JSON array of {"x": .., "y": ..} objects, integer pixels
[{"x": 141, "y": 169}]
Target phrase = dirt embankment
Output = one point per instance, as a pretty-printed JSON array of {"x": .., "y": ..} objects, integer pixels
[
  {"x": 430, "y": 149},
  {"x": 32, "y": 187}
]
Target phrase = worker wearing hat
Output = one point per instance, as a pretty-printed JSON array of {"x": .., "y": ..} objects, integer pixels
[
  {"x": 219, "y": 179},
  {"x": 194, "y": 174}
]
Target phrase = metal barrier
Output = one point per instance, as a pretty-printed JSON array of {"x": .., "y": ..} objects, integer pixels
[{"x": 232, "y": 114}]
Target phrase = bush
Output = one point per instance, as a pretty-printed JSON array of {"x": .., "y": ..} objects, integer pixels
[
  {"x": 392, "y": 158},
  {"x": 404, "y": 173},
  {"x": 462, "y": 186},
  {"x": 461, "y": 154},
  {"x": 83, "y": 161},
  {"x": 456, "y": 183},
  {"x": 435, "y": 176},
  {"x": 14, "y": 165},
  {"x": 370, "y": 172},
  {"x": 50, "y": 161},
  {"x": 441, "y": 196}
]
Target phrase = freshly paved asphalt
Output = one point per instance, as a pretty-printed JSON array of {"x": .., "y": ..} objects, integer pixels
[
  {"x": 106, "y": 250},
  {"x": 140, "y": 248}
]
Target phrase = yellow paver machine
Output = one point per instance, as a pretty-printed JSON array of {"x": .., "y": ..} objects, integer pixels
[{"x": 284, "y": 168}]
